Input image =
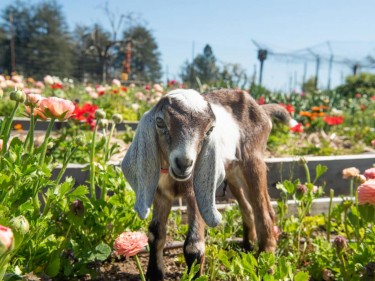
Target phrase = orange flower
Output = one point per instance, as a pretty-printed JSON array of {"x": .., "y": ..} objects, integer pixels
[
  {"x": 57, "y": 108},
  {"x": 18, "y": 127},
  {"x": 366, "y": 192},
  {"x": 315, "y": 108},
  {"x": 305, "y": 113},
  {"x": 6, "y": 239},
  {"x": 130, "y": 243}
]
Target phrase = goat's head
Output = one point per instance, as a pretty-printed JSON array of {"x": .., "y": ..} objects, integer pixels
[{"x": 179, "y": 131}]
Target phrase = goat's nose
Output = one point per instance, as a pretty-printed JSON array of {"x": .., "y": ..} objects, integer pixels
[{"x": 183, "y": 163}]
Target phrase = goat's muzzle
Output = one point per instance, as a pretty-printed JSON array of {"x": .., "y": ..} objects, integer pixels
[{"x": 182, "y": 168}]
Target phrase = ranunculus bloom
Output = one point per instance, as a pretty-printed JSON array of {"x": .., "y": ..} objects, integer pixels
[
  {"x": 39, "y": 84},
  {"x": 58, "y": 108},
  {"x": 33, "y": 99},
  {"x": 373, "y": 143},
  {"x": 297, "y": 128},
  {"x": 158, "y": 88},
  {"x": 351, "y": 172},
  {"x": 1, "y": 144},
  {"x": 333, "y": 120},
  {"x": 370, "y": 173},
  {"x": 48, "y": 80},
  {"x": 6, "y": 239},
  {"x": 116, "y": 82},
  {"x": 366, "y": 192},
  {"x": 130, "y": 243},
  {"x": 140, "y": 96}
]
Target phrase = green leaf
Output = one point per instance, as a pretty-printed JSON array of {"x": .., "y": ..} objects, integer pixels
[
  {"x": 101, "y": 253},
  {"x": 79, "y": 191},
  {"x": 301, "y": 276},
  {"x": 320, "y": 170}
]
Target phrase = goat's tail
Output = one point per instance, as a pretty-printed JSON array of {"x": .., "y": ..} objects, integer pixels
[{"x": 280, "y": 113}]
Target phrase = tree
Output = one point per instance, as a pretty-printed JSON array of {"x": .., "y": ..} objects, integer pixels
[
  {"x": 203, "y": 69},
  {"x": 41, "y": 38},
  {"x": 144, "y": 62}
]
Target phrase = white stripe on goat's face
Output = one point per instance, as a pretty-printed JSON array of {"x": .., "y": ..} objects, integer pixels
[{"x": 182, "y": 123}]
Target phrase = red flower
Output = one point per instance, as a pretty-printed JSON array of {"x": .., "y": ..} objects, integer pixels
[
  {"x": 56, "y": 86},
  {"x": 130, "y": 243},
  {"x": 297, "y": 128},
  {"x": 366, "y": 192},
  {"x": 124, "y": 89},
  {"x": 358, "y": 95},
  {"x": 147, "y": 87},
  {"x": 261, "y": 100},
  {"x": 372, "y": 98},
  {"x": 363, "y": 107},
  {"x": 288, "y": 107},
  {"x": 333, "y": 120},
  {"x": 115, "y": 91},
  {"x": 86, "y": 113}
]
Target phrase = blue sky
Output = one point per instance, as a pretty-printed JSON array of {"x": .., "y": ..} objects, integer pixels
[{"x": 229, "y": 27}]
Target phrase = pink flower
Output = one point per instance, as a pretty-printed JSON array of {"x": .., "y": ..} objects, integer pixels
[
  {"x": 276, "y": 231},
  {"x": 6, "y": 239},
  {"x": 33, "y": 99},
  {"x": 130, "y": 243},
  {"x": 158, "y": 88},
  {"x": 57, "y": 108},
  {"x": 373, "y": 143},
  {"x": 39, "y": 84},
  {"x": 116, "y": 82},
  {"x": 370, "y": 173},
  {"x": 366, "y": 192},
  {"x": 1, "y": 144}
]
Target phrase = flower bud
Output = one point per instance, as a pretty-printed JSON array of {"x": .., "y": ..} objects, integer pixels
[
  {"x": 77, "y": 208},
  {"x": 301, "y": 191},
  {"x": 327, "y": 275},
  {"x": 99, "y": 114},
  {"x": 20, "y": 224},
  {"x": 6, "y": 239},
  {"x": 80, "y": 140},
  {"x": 339, "y": 243},
  {"x": 302, "y": 161},
  {"x": 117, "y": 118},
  {"x": 103, "y": 123},
  {"x": 18, "y": 96}
]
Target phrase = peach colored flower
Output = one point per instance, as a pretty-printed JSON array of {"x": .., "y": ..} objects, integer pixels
[
  {"x": 140, "y": 96},
  {"x": 48, "y": 80},
  {"x": 276, "y": 231},
  {"x": 366, "y": 192},
  {"x": 351, "y": 172},
  {"x": 373, "y": 143},
  {"x": 17, "y": 78},
  {"x": 2, "y": 78},
  {"x": 361, "y": 179},
  {"x": 1, "y": 144},
  {"x": 116, "y": 82},
  {"x": 370, "y": 173},
  {"x": 6, "y": 238},
  {"x": 130, "y": 243},
  {"x": 57, "y": 108}
]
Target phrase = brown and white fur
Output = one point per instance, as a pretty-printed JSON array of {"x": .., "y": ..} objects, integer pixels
[{"x": 202, "y": 140}]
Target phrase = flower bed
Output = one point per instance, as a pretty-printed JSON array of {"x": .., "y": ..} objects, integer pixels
[{"x": 64, "y": 229}]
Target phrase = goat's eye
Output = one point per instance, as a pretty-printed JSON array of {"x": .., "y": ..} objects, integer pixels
[
  {"x": 160, "y": 123},
  {"x": 210, "y": 131}
]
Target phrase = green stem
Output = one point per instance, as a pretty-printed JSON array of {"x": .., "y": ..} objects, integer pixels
[
  {"x": 331, "y": 193},
  {"x": 308, "y": 179},
  {"x": 31, "y": 131},
  {"x": 45, "y": 143},
  {"x": 8, "y": 127},
  {"x": 65, "y": 165},
  {"x": 108, "y": 142},
  {"x": 346, "y": 224},
  {"x": 92, "y": 163},
  {"x": 4, "y": 262},
  {"x": 139, "y": 268},
  {"x": 351, "y": 187}
]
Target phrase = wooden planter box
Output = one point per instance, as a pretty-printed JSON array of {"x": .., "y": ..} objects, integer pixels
[{"x": 280, "y": 169}]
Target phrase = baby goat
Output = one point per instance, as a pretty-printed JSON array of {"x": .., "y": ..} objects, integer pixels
[{"x": 187, "y": 145}]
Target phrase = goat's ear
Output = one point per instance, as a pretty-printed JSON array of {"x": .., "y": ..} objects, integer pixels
[
  {"x": 209, "y": 173},
  {"x": 141, "y": 165}
]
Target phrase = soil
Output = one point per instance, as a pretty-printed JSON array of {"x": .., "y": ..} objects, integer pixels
[{"x": 126, "y": 268}]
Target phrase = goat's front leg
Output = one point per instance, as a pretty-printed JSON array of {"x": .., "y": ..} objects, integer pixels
[
  {"x": 255, "y": 172},
  {"x": 157, "y": 236},
  {"x": 194, "y": 245}
]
